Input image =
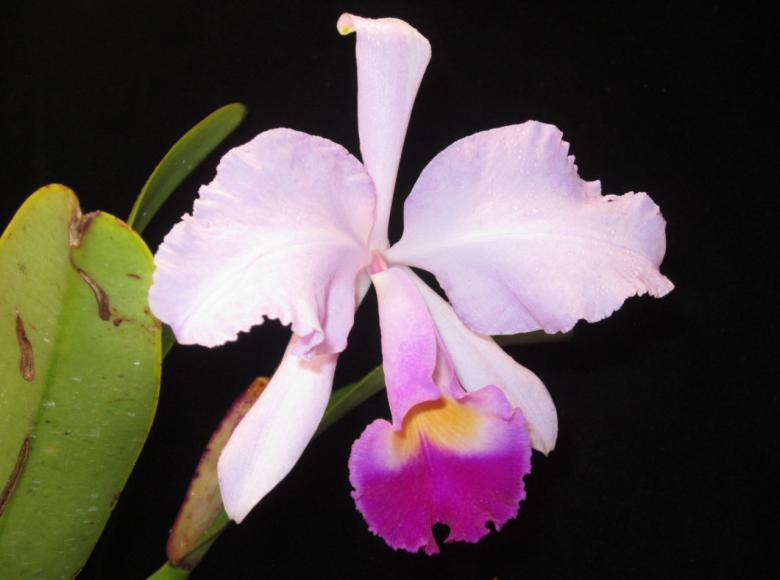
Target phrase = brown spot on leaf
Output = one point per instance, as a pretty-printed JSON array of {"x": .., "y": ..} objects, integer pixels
[
  {"x": 133, "y": 275},
  {"x": 22, "y": 267},
  {"x": 79, "y": 224},
  {"x": 77, "y": 229},
  {"x": 155, "y": 322},
  {"x": 104, "y": 307},
  {"x": 26, "y": 360},
  {"x": 10, "y": 485}
]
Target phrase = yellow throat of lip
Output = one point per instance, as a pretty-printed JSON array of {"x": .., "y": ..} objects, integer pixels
[{"x": 446, "y": 423}]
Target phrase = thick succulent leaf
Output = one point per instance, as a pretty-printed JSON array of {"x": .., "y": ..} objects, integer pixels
[
  {"x": 185, "y": 155},
  {"x": 201, "y": 518},
  {"x": 80, "y": 368}
]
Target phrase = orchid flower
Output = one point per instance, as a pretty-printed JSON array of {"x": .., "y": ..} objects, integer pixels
[{"x": 294, "y": 227}]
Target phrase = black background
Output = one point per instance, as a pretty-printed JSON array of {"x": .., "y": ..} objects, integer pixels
[{"x": 667, "y": 410}]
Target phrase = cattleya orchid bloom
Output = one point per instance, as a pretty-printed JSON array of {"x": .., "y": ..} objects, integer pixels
[{"x": 294, "y": 227}]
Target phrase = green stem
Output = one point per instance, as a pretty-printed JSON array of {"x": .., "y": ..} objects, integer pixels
[{"x": 169, "y": 572}]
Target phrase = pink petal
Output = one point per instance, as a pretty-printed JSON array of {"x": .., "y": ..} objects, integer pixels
[
  {"x": 268, "y": 441},
  {"x": 409, "y": 343},
  {"x": 281, "y": 232},
  {"x": 391, "y": 59},
  {"x": 456, "y": 462},
  {"x": 519, "y": 242},
  {"x": 479, "y": 361}
]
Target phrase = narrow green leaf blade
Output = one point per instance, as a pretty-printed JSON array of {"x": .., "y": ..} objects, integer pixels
[
  {"x": 80, "y": 368},
  {"x": 343, "y": 400},
  {"x": 185, "y": 155}
]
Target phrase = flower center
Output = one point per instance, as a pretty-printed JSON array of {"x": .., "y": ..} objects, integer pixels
[{"x": 377, "y": 264}]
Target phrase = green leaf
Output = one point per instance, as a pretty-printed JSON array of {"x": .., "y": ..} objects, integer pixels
[
  {"x": 80, "y": 368},
  {"x": 201, "y": 518},
  {"x": 181, "y": 159}
]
